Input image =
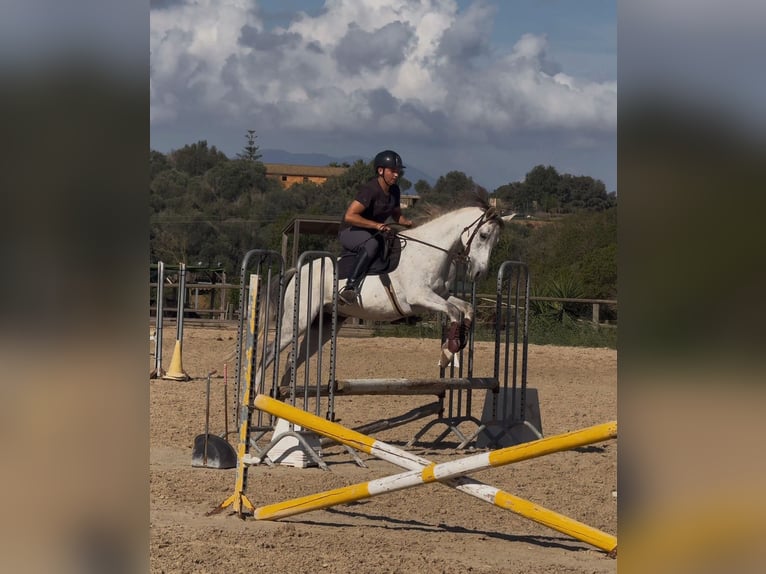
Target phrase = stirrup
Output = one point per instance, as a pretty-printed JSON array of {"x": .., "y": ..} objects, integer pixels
[{"x": 347, "y": 295}]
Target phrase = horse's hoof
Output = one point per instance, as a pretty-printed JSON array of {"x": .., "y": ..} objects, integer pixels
[{"x": 445, "y": 359}]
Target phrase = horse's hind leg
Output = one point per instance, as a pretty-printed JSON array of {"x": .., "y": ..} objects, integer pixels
[
  {"x": 305, "y": 325},
  {"x": 311, "y": 358}
]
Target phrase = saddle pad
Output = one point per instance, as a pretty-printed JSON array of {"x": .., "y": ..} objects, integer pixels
[{"x": 384, "y": 264}]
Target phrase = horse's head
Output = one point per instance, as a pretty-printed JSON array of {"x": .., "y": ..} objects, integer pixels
[{"x": 479, "y": 238}]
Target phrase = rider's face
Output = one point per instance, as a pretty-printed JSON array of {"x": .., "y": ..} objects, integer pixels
[{"x": 392, "y": 174}]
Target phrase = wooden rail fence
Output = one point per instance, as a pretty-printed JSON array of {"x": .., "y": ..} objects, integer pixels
[{"x": 218, "y": 302}]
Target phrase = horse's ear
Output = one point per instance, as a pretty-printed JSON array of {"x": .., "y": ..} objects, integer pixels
[{"x": 507, "y": 218}]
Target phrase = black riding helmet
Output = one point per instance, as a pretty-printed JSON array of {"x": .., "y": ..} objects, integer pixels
[{"x": 390, "y": 159}]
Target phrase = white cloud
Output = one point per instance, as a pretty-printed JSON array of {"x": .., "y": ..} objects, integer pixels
[{"x": 406, "y": 66}]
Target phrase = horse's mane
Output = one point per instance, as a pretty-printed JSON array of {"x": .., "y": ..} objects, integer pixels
[{"x": 476, "y": 197}]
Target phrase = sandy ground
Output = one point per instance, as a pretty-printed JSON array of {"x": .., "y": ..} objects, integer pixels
[{"x": 428, "y": 529}]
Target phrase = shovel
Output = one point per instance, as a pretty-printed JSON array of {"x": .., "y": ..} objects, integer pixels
[{"x": 212, "y": 451}]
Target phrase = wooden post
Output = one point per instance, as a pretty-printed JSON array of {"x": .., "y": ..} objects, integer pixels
[
  {"x": 224, "y": 290},
  {"x": 296, "y": 237}
]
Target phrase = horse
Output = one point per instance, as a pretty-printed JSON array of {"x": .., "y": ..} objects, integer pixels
[{"x": 420, "y": 283}]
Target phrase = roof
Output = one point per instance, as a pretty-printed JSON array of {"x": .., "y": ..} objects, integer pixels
[
  {"x": 314, "y": 224},
  {"x": 303, "y": 170}
]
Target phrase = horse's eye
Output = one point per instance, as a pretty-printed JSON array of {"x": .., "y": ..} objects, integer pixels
[{"x": 484, "y": 235}]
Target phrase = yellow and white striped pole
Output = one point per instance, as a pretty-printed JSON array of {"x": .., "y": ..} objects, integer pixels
[
  {"x": 238, "y": 500},
  {"x": 424, "y": 468}
]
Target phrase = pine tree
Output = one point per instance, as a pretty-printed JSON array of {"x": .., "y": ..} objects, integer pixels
[{"x": 250, "y": 151}]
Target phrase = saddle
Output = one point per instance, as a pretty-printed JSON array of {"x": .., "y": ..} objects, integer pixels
[{"x": 386, "y": 261}]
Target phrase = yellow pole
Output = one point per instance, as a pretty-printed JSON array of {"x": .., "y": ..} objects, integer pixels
[
  {"x": 332, "y": 430},
  {"x": 238, "y": 500},
  {"x": 411, "y": 461},
  {"x": 436, "y": 472}
]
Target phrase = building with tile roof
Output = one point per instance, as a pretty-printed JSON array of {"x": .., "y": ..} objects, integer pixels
[{"x": 290, "y": 174}]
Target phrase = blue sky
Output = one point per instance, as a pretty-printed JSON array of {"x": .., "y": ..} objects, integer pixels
[{"x": 490, "y": 88}]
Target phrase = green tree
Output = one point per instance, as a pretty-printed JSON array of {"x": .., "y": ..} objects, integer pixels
[
  {"x": 422, "y": 187},
  {"x": 509, "y": 197},
  {"x": 157, "y": 162},
  {"x": 579, "y": 193},
  {"x": 168, "y": 189},
  {"x": 544, "y": 189},
  {"x": 250, "y": 151},
  {"x": 451, "y": 190},
  {"x": 541, "y": 184},
  {"x": 337, "y": 192},
  {"x": 237, "y": 180},
  {"x": 197, "y": 158}
]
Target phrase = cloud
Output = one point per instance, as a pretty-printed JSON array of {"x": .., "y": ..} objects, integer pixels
[
  {"x": 421, "y": 68},
  {"x": 362, "y": 50},
  {"x": 164, "y": 4},
  {"x": 265, "y": 40},
  {"x": 467, "y": 37}
]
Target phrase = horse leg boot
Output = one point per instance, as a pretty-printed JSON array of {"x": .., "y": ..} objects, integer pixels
[
  {"x": 361, "y": 263},
  {"x": 457, "y": 339}
]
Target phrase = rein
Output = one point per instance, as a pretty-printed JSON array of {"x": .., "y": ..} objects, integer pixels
[{"x": 462, "y": 253}]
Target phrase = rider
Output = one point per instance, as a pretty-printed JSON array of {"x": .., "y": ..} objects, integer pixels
[{"x": 365, "y": 219}]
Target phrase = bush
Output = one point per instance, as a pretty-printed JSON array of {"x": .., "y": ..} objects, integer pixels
[{"x": 546, "y": 330}]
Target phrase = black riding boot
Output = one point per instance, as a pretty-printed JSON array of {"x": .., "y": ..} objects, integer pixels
[{"x": 361, "y": 263}]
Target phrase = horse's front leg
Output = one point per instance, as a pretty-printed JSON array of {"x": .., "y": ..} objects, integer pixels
[
  {"x": 455, "y": 309},
  {"x": 465, "y": 308},
  {"x": 458, "y": 330}
]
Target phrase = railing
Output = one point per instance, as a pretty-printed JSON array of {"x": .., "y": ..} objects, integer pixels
[
  {"x": 596, "y": 304},
  {"x": 222, "y": 304},
  {"x": 222, "y": 299}
]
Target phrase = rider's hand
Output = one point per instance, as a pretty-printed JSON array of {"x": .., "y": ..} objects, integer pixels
[{"x": 382, "y": 227}]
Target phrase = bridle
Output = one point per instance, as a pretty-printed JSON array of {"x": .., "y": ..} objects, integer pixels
[
  {"x": 460, "y": 255},
  {"x": 455, "y": 255},
  {"x": 489, "y": 215}
]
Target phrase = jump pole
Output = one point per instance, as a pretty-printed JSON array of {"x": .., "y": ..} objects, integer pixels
[
  {"x": 423, "y": 471},
  {"x": 176, "y": 370},
  {"x": 238, "y": 500},
  {"x": 160, "y": 296}
]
